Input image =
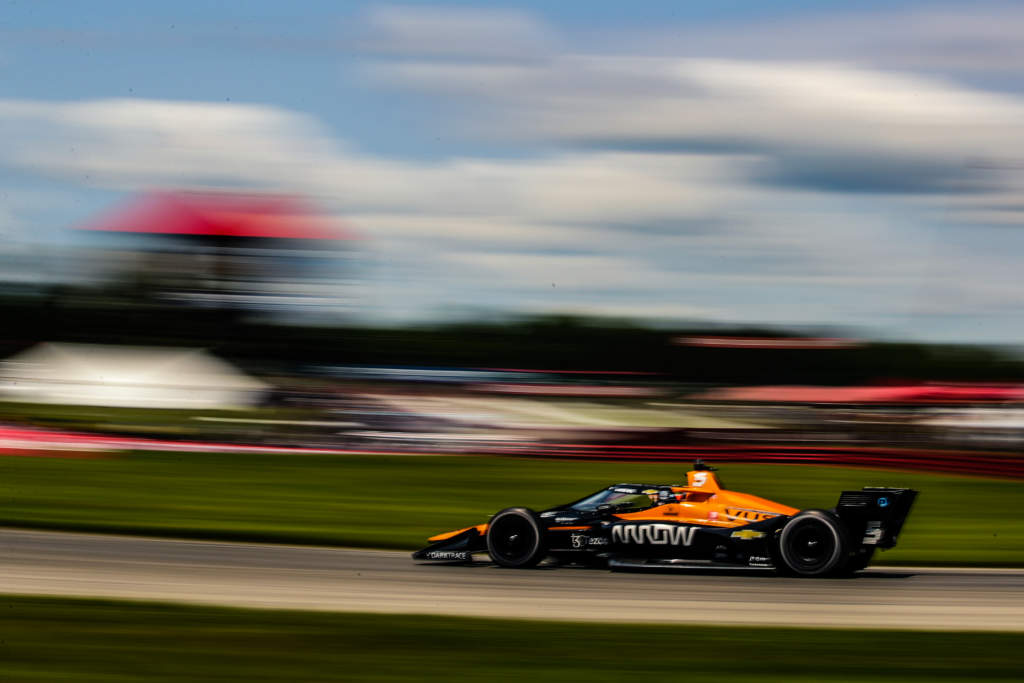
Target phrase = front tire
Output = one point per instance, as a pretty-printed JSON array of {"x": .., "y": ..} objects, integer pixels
[
  {"x": 516, "y": 539},
  {"x": 813, "y": 544}
]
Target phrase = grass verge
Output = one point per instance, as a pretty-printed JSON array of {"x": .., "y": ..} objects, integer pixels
[
  {"x": 396, "y": 502},
  {"x": 53, "y": 639}
]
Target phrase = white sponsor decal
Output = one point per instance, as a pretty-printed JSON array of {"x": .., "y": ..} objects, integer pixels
[
  {"x": 655, "y": 534},
  {"x": 873, "y": 533},
  {"x": 447, "y": 555}
]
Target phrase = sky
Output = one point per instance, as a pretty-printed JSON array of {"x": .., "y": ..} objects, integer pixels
[{"x": 788, "y": 163}]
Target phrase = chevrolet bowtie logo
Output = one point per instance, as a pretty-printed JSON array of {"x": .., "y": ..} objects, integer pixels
[{"x": 747, "y": 534}]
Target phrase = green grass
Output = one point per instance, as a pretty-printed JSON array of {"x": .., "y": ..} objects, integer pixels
[
  {"x": 396, "y": 502},
  {"x": 46, "y": 639}
]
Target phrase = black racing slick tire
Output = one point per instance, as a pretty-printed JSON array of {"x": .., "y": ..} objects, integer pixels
[
  {"x": 813, "y": 543},
  {"x": 515, "y": 538}
]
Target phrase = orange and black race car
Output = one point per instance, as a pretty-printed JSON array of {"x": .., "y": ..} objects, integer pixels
[{"x": 700, "y": 525}]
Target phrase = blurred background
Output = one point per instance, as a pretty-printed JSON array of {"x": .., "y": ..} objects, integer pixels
[
  {"x": 434, "y": 227},
  {"x": 586, "y": 241}
]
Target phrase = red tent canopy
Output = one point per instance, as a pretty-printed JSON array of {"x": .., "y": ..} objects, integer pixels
[{"x": 222, "y": 214}]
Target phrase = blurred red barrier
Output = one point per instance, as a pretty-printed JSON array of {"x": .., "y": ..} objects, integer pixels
[
  {"x": 23, "y": 441},
  {"x": 930, "y": 460}
]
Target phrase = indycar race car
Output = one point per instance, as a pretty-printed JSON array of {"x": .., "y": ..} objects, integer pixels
[{"x": 700, "y": 526}]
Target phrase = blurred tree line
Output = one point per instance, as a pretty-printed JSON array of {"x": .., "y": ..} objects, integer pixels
[{"x": 551, "y": 342}]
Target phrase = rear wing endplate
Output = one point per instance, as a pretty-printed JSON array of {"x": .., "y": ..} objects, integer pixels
[{"x": 875, "y": 515}]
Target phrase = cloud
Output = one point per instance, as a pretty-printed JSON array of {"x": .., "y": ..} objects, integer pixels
[
  {"x": 981, "y": 37},
  {"x": 455, "y": 32},
  {"x": 811, "y": 105},
  {"x": 609, "y": 229},
  {"x": 463, "y": 230},
  {"x": 831, "y": 126},
  {"x": 135, "y": 143},
  {"x": 658, "y": 184},
  {"x": 125, "y": 143}
]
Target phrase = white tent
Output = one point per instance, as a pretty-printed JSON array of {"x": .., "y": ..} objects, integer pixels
[{"x": 129, "y": 376}]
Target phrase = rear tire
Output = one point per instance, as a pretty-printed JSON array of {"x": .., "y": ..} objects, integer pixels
[
  {"x": 516, "y": 539},
  {"x": 813, "y": 544}
]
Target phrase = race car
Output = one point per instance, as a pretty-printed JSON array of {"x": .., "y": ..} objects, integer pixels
[{"x": 700, "y": 525}]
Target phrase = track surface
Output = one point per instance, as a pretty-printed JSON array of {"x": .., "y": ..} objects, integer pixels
[{"x": 275, "y": 576}]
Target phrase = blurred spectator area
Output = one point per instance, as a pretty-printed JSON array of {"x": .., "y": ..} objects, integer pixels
[
  {"x": 127, "y": 376},
  {"x": 221, "y": 249}
]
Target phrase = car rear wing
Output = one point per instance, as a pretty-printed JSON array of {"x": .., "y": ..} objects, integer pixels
[{"x": 875, "y": 515}]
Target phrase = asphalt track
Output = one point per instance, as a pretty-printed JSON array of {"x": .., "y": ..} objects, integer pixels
[{"x": 277, "y": 576}]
